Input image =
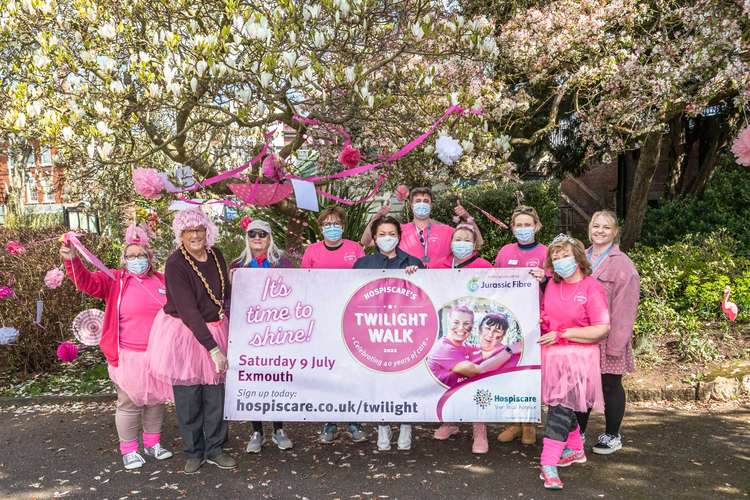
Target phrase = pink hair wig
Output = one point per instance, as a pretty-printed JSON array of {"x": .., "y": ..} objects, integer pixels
[{"x": 193, "y": 217}]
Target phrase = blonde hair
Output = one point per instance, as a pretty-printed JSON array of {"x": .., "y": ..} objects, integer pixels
[
  {"x": 612, "y": 217},
  {"x": 524, "y": 210},
  {"x": 149, "y": 254},
  {"x": 576, "y": 248},
  {"x": 467, "y": 228}
]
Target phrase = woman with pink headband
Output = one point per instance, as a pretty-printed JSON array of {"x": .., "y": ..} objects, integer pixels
[
  {"x": 132, "y": 299},
  {"x": 188, "y": 343}
]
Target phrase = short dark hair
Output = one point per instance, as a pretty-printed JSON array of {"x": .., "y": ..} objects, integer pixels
[
  {"x": 421, "y": 190},
  {"x": 385, "y": 219},
  {"x": 494, "y": 319},
  {"x": 334, "y": 210}
]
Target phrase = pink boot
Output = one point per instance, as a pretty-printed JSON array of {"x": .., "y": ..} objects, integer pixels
[
  {"x": 445, "y": 431},
  {"x": 480, "y": 444}
]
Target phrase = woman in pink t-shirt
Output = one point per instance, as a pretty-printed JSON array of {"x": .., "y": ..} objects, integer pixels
[
  {"x": 575, "y": 318},
  {"x": 463, "y": 250},
  {"x": 132, "y": 299}
]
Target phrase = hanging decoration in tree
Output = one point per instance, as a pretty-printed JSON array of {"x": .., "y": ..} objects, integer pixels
[
  {"x": 5, "y": 292},
  {"x": 741, "y": 147},
  {"x": 8, "y": 335},
  {"x": 67, "y": 352},
  {"x": 148, "y": 183},
  {"x": 350, "y": 156},
  {"x": 15, "y": 248},
  {"x": 54, "y": 278},
  {"x": 448, "y": 149},
  {"x": 402, "y": 193},
  {"x": 87, "y": 326},
  {"x": 272, "y": 167},
  {"x": 245, "y": 222}
]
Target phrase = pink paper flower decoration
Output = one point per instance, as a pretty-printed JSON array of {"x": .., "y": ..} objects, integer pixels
[
  {"x": 350, "y": 156},
  {"x": 5, "y": 292},
  {"x": 402, "y": 193},
  {"x": 15, "y": 248},
  {"x": 741, "y": 147},
  {"x": 271, "y": 167},
  {"x": 245, "y": 222},
  {"x": 54, "y": 278},
  {"x": 148, "y": 183},
  {"x": 67, "y": 352}
]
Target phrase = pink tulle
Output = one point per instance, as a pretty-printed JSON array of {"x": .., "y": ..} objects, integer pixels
[
  {"x": 136, "y": 235},
  {"x": 402, "y": 193},
  {"x": 741, "y": 147},
  {"x": 350, "y": 156},
  {"x": 271, "y": 167},
  {"x": 148, "y": 183},
  {"x": 54, "y": 278},
  {"x": 15, "y": 248},
  {"x": 571, "y": 376},
  {"x": 132, "y": 376},
  {"x": 175, "y": 356},
  {"x": 67, "y": 352},
  {"x": 5, "y": 292}
]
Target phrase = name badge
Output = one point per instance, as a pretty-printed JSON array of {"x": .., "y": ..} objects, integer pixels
[
  {"x": 513, "y": 262},
  {"x": 163, "y": 291}
]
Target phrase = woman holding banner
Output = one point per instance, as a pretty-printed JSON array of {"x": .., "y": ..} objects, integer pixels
[
  {"x": 334, "y": 252},
  {"x": 262, "y": 253},
  {"x": 575, "y": 319},
  {"x": 385, "y": 231},
  {"x": 463, "y": 250},
  {"x": 132, "y": 297},
  {"x": 188, "y": 340}
]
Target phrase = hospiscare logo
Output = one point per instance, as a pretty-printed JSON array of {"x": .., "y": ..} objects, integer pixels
[
  {"x": 483, "y": 398},
  {"x": 473, "y": 284}
]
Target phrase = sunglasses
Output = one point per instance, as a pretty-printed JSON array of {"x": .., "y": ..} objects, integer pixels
[{"x": 257, "y": 233}]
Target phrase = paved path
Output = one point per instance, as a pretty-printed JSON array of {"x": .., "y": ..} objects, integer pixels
[{"x": 671, "y": 452}]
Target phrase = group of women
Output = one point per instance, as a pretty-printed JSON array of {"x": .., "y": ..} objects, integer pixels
[{"x": 165, "y": 336}]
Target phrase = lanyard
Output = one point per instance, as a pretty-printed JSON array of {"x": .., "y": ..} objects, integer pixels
[
  {"x": 426, "y": 244},
  {"x": 594, "y": 265}
]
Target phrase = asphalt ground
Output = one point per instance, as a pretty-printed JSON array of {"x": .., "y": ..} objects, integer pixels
[{"x": 671, "y": 450}]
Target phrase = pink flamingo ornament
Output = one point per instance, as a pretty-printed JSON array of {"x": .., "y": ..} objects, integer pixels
[{"x": 729, "y": 308}]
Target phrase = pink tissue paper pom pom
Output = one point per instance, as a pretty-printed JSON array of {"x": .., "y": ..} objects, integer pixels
[
  {"x": 5, "y": 292},
  {"x": 67, "y": 352},
  {"x": 350, "y": 156},
  {"x": 15, "y": 248},
  {"x": 741, "y": 147},
  {"x": 148, "y": 183},
  {"x": 402, "y": 193},
  {"x": 271, "y": 167},
  {"x": 245, "y": 222},
  {"x": 54, "y": 278}
]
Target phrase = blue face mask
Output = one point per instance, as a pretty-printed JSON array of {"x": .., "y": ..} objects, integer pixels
[
  {"x": 565, "y": 267},
  {"x": 462, "y": 249},
  {"x": 138, "y": 266},
  {"x": 421, "y": 209},
  {"x": 386, "y": 243},
  {"x": 524, "y": 235},
  {"x": 333, "y": 233}
]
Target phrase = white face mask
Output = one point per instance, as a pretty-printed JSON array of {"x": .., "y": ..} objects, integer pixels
[{"x": 386, "y": 243}]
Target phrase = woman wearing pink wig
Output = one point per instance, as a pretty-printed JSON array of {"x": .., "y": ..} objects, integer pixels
[
  {"x": 132, "y": 299},
  {"x": 189, "y": 339}
]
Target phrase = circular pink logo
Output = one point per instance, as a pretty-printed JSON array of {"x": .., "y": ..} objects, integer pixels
[{"x": 390, "y": 325}]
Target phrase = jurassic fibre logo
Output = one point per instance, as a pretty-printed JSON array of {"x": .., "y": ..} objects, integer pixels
[{"x": 473, "y": 284}]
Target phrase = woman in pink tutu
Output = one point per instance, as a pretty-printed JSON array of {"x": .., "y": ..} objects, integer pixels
[
  {"x": 189, "y": 339},
  {"x": 132, "y": 299},
  {"x": 575, "y": 318}
]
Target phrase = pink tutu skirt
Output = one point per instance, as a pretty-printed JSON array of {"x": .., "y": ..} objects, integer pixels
[
  {"x": 176, "y": 357},
  {"x": 571, "y": 377},
  {"x": 133, "y": 376}
]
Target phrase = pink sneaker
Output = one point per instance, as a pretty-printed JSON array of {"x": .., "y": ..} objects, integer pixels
[
  {"x": 551, "y": 479},
  {"x": 480, "y": 444},
  {"x": 571, "y": 457},
  {"x": 445, "y": 431}
]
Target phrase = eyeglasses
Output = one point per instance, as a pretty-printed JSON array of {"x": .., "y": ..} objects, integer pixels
[
  {"x": 131, "y": 258},
  {"x": 196, "y": 230},
  {"x": 257, "y": 233},
  {"x": 331, "y": 224}
]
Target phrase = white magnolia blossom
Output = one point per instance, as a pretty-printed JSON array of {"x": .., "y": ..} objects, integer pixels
[
  {"x": 108, "y": 31},
  {"x": 417, "y": 31},
  {"x": 67, "y": 133},
  {"x": 350, "y": 73},
  {"x": 201, "y": 67},
  {"x": 448, "y": 149}
]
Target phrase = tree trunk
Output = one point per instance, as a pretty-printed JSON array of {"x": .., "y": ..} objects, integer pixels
[
  {"x": 676, "y": 166},
  {"x": 644, "y": 174},
  {"x": 712, "y": 139}
]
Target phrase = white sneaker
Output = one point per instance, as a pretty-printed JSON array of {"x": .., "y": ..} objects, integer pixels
[
  {"x": 384, "y": 437},
  {"x": 404, "y": 437},
  {"x": 158, "y": 452},
  {"x": 133, "y": 460},
  {"x": 607, "y": 444},
  {"x": 256, "y": 443}
]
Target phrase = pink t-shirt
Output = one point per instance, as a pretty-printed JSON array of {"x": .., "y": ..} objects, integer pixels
[
  {"x": 437, "y": 239},
  {"x": 138, "y": 307},
  {"x": 574, "y": 305},
  {"x": 512, "y": 255},
  {"x": 444, "y": 357},
  {"x": 318, "y": 256},
  {"x": 447, "y": 263}
]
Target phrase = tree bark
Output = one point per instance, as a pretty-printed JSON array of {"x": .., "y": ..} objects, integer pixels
[
  {"x": 712, "y": 139},
  {"x": 676, "y": 166},
  {"x": 644, "y": 174}
]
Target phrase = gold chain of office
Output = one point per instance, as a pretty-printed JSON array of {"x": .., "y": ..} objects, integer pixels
[{"x": 211, "y": 295}]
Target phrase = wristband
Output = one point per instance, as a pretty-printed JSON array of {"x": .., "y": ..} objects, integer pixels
[{"x": 214, "y": 350}]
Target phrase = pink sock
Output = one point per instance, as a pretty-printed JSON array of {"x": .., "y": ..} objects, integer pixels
[
  {"x": 128, "y": 446},
  {"x": 551, "y": 451},
  {"x": 575, "y": 442},
  {"x": 150, "y": 439}
]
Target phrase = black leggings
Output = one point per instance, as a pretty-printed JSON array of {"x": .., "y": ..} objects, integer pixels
[
  {"x": 258, "y": 426},
  {"x": 614, "y": 405}
]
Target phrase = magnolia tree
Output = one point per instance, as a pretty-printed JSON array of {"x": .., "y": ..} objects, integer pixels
[{"x": 118, "y": 84}]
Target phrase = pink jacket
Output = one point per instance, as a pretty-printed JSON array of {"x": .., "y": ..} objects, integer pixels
[
  {"x": 619, "y": 277},
  {"x": 98, "y": 285}
]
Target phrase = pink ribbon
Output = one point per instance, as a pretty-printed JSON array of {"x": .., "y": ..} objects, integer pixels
[
  {"x": 365, "y": 198},
  {"x": 70, "y": 238}
]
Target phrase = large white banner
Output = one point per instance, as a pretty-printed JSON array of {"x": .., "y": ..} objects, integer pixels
[{"x": 373, "y": 345}]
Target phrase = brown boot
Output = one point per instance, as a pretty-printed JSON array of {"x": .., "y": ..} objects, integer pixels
[
  {"x": 529, "y": 434},
  {"x": 509, "y": 433}
]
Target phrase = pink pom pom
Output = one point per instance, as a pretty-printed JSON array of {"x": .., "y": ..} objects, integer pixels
[
  {"x": 54, "y": 278},
  {"x": 272, "y": 167},
  {"x": 741, "y": 147},
  {"x": 402, "y": 193},
  {"x": 67, "y": 352},
  {"x": 350, "y": 156},
  {"x": 15, "y": 248},
  {"x": 245, "y": 222},
  {"x": 148, "y": 183},
  {"x": 136, "y": 235},
  {"x": 5, "y": 292}
]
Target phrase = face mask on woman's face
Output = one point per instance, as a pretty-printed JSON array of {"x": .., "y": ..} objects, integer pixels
[
  {"x": 524, "y": 235},
  {"x": 138, "y": 266},
  {"x": 386, "y": 243},
  {"x": 565, "y": 267},
  {"x": 462, "y": 249},
  {"x": 333, "y": 232},
  {"x": 421, "y": 209}
]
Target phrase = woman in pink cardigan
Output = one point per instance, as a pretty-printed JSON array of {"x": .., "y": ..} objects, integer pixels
[
  {"x": 131, "y": 300},
  {"x": 616, "y": 272}
]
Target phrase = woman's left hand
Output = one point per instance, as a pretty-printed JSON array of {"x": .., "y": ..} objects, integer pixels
[
  {"x": 538, "y": 274},
  {"x": 548, "y": 338},
  {"x": 411, "y": 269}
]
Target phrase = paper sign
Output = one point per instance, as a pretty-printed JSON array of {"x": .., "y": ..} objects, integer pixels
[{"x": 304, "y": 192}]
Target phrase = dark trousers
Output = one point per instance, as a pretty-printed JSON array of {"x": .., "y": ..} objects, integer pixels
[
  {"x": 561, "y": 421},
  {"x": 258, "y": 426},
  {"x": 614, "y": 405},
  {"x": 200, "y": 412}
]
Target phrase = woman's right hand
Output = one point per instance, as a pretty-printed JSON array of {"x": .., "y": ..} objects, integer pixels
[
  {"x": 220, "y": 360},
  {"x": 67, "y": 252}
]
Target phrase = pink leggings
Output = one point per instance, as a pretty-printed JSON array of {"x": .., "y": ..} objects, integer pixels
[{"x": 129, "y": 418}]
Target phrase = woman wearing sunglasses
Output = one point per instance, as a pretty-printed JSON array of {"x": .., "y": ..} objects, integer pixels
[{"x": 262, "y": 253}]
